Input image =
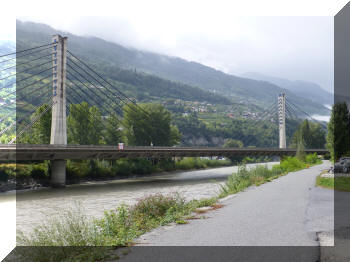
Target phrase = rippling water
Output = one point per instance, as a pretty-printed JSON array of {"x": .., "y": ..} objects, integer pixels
[{"x": 34, "y": 207}]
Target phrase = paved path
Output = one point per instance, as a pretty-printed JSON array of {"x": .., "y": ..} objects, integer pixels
[{"x": 288, "y": 211}]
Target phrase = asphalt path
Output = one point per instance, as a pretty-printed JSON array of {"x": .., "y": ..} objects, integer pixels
[{"x": 288, "y": 211}]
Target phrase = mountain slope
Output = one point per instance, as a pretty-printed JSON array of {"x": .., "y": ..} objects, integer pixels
[
  {"x": 309, "y": 90},
  {"x": 109, "y": 55}
]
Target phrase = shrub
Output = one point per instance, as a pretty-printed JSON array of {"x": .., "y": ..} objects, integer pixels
[
  {"x": 39, "y": 172},
  {"x": 312, "y": 159},
  {"x": 142, "y": 166},
  {"x": 156, "y": 206},
  {"x": 291, "y": 164}
]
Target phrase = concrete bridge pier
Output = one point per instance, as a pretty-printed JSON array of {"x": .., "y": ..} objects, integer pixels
[{"x": 58, "y": 173}]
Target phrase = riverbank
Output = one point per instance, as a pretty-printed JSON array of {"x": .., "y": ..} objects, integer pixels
[
  {"x": 34, "y": 176},
  {"x": 130, "y": 221}
]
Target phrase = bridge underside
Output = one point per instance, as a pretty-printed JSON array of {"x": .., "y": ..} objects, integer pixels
[{"x": 54, "y": 152}]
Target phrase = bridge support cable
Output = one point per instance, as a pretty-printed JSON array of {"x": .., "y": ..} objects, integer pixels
[
  {"x": 24, "y": 55},
  {"x": 19, "y": 89},
  {"x": 25, "y": 63},
  {"x": 270, "y": 110},
  {"x": 140, "y": 109},
  {"x": 291, "y": 110},
  {"x": 26, "y": 70},
  {"x": 92, "y": 89},
  {"x": 26, "y": 50},
  {"x": 74, "y": 98},
  {"x": 260, "y": 123},
  {"x": 23, "y": 79},
  {"x": 31, "y": 123},
  {"x": 16, "y": 122},
  {"x": 94, "y": 116},
  {"x": 298, "y": 109},
  {"x": 92, "y": 98},
  {"x": 111, "y": 85},
  {"x": 109, "y": 96}
]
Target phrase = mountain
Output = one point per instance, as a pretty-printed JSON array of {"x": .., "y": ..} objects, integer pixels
[
  {"x": 107, "y": 56},
  {"x": 306, "y": 89}
]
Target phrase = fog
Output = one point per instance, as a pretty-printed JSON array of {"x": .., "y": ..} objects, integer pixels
[{"x": 295, "y": 48}]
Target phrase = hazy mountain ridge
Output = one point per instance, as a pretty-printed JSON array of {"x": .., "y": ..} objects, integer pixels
[
  {"x": 106, "y": 54},
  {"x": 306, "y": 89}
]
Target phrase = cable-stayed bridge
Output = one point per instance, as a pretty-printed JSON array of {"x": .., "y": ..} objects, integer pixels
[{"x": 52, "y": 75}]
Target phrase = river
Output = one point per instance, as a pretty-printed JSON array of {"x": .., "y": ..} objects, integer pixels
[{"x": 35, "y": 206}]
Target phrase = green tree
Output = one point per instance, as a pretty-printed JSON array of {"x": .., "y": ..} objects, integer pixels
[
  {"x": 42, "y": 128},
  {"x": 149, "y": 124},
  {"x": 113, "y": 133},
  {"x": 234, "y": 143},
  {"x": 84, "y": 124},
  {"x": 338, "y": 137},
  {"x": 309, "y": 135}
]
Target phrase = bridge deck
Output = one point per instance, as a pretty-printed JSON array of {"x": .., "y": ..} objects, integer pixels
[{"x": 52, "y": 152}]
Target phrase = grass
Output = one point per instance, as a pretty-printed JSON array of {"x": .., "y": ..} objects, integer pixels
[
  {"x": 339, "y": 183},
  {"x": 261, "y": 174},
  {"x": 119, "y": 227}
]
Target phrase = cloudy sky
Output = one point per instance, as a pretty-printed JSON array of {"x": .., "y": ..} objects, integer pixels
[{"x": 296, "y": 48}]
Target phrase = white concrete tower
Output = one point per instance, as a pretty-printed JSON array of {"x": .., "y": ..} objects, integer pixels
[
  {"x": 59, "y": 122},
  {"x": 282, "y": 120}
]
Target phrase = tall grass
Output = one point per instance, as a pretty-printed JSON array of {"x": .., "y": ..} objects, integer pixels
[{"x": 260, "y": 174}]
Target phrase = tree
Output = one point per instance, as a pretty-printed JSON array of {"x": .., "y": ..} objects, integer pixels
[
  {"x": 40, "y": 131},
  {"x": 113, "y": 134},
  {"x": 84, "y": 124},
  {"x": 42, "y": 128},
  {"x": 309, "y": 135},
  {"x": 234, "y": 143},
  {"x": 148, "y": 124},
  {"x": 338, "y": 137}
]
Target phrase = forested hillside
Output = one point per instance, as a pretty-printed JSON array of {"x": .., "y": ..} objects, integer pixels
[
  {"x": 119, "y": 63},
  {"x": 7, "y": 96}
]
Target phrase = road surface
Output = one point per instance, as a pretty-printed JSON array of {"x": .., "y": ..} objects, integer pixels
[{"x": 288, "y": 211}]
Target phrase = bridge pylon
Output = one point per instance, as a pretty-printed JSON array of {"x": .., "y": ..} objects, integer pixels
[
  {"x": 59, "y": 117},
  {"x": 282, "y": 120}
]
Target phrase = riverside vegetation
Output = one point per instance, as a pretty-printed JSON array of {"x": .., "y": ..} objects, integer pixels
[
  {"x": 28, "y": 175},
  {"x": 119, "y": 227}
]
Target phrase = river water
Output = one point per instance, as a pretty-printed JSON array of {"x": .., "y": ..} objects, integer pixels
[{"x": 36, "y": 206}]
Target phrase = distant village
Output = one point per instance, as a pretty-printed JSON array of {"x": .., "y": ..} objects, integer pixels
[{"x": 232, "y": 112}]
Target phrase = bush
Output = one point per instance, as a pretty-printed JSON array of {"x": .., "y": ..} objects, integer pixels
[
  {"x": 312, "y": 159},
  {"x": 39, "y": 172},
  {"x": 156, "y": 206},
  {"x": 142, "y": 166},
  {"x": 291, "y": 164}
]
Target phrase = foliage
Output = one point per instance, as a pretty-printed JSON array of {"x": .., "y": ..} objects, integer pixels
[
  {"x": 195, "y": 163},
  {"x": 113, "y": 134},
  {"x": 310, "y": 135},
  {"x": 83, "y": 118},
  {"x": 41, "y": 130},
  {"x": 337, "y": 183},
  {"x": 119, "y": 227},
  {"x": 234, "y": 143},
  {"x": 149, "y": 125},
  {"x": 260, "y": 174},
  {"x": 338, "y": 137}
]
